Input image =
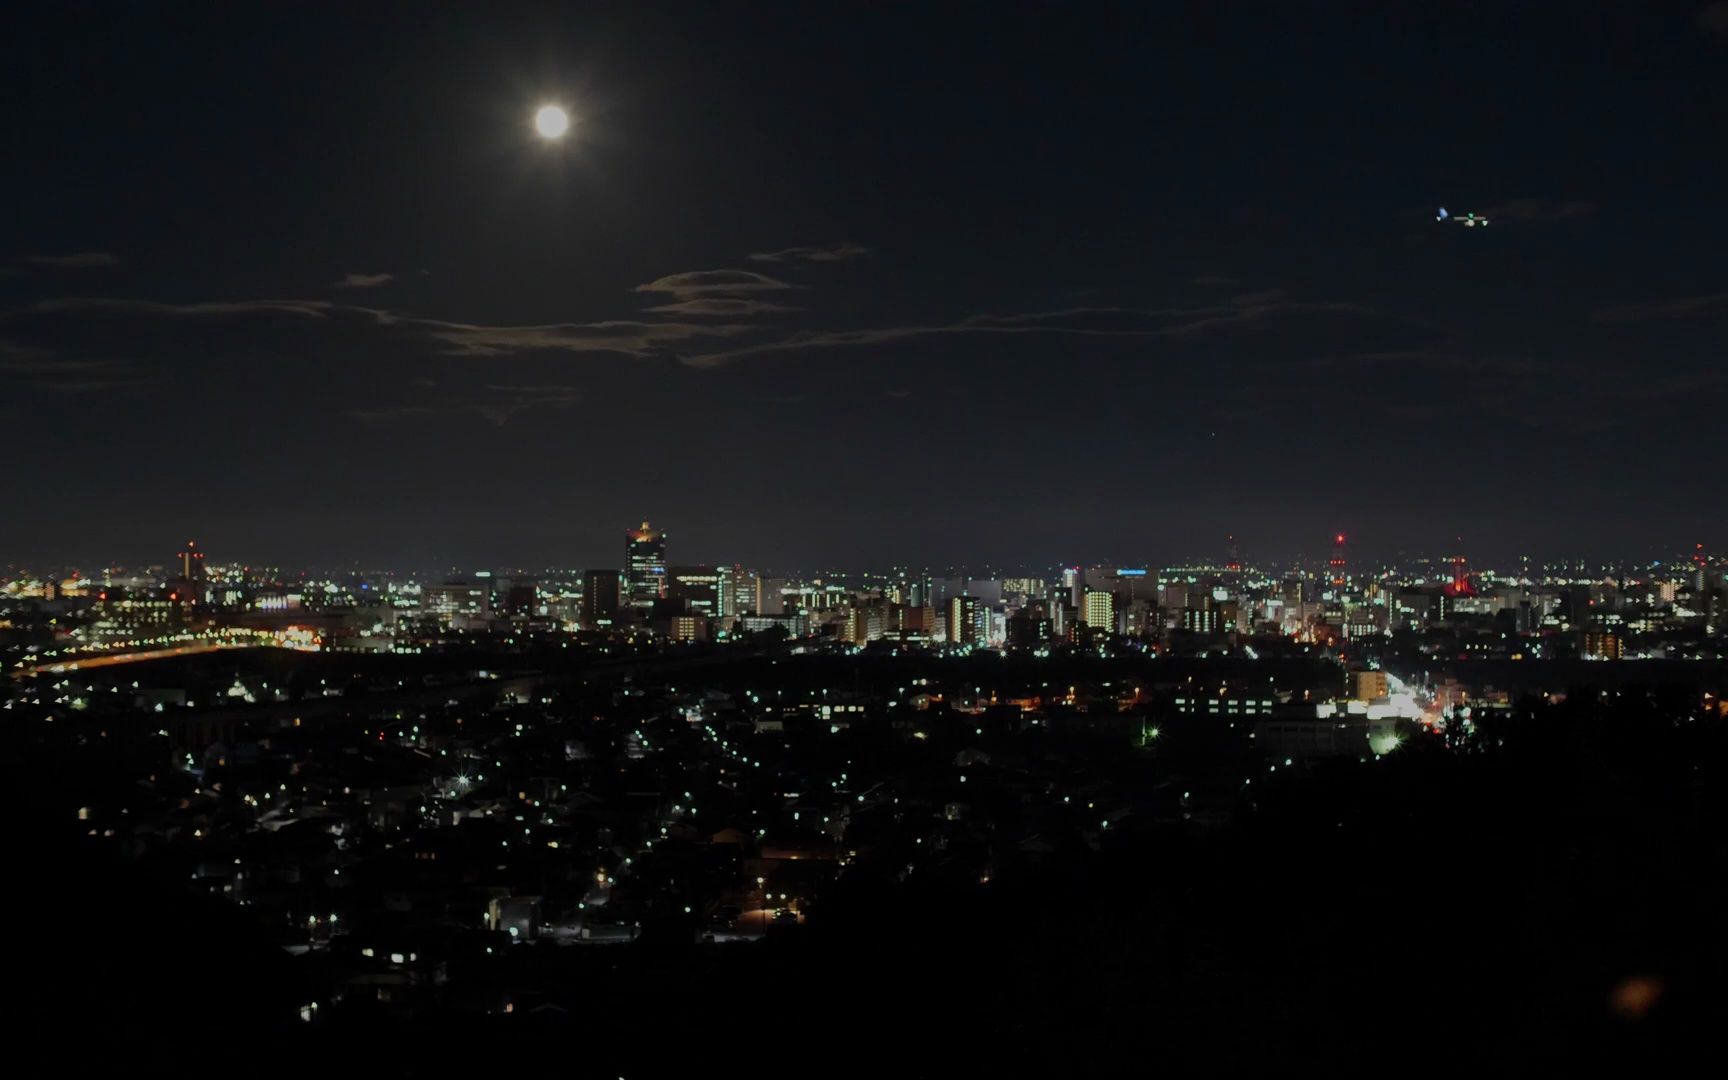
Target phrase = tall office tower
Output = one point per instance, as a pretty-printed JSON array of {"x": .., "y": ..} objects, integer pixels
[
  {"x": 919, "y": 590},
  {"x": 1076, "y": 586},
  {"x": 187, "y": 586},
  {"x": 1100, "y": 611},
  {"x": 1337, "y": 566},
  {"x": 601, "y": 596},
  {"x": 192, "y": 563},
  {"x": 963, "y": 620},
  {"x": 1201, "y": 614},
  {"x": 644, "y": 565},
  {"x": 698, "y": 587},
  {"x": 740, "y": 591}
]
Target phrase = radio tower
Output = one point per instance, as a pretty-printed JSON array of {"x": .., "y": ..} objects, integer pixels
[{"x": 1337, "y": 565}]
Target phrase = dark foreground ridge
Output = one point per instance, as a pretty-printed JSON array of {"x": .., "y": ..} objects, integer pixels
[{"x": 1542, "y": 892}]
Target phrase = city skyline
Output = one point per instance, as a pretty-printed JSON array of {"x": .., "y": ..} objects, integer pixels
[
  {"x": 1226, "y": 556},
  {"x": 1150, "y": 274}
]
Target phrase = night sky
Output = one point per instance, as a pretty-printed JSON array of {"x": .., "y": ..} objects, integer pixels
[{"x": 812, "y": 285}]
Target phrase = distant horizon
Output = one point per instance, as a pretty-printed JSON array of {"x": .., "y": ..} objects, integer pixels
[{"x": 1360, "y": 560}]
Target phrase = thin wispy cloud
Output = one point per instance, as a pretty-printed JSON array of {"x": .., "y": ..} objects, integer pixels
[
  {"x": 316, "y": 309},
  {"x": 1026, "y": 323},
  {"x": 33, "y": 366},
  {"x": 699, "y": 296},
  {"x": 1241, "y": 318},
  {"x": 631, "y": 338},
  {"x": 1099, "y": 322},
  {"x": 622, "y": 337},
  {"x": 720, "y": 306},
  {"x": 1685, "y": 307},
  {"x": 363, "y": 281},
  {"x": 559, "y": 390},
  {"x": 832, "y": 253},
  {"x": 698, "y": 284},
  {"x": 15, "y": 357},
  {"x": 1255, "y": 299}
]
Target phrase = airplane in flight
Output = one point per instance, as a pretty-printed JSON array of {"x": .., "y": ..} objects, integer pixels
[{"x": 1469, "y": 221}]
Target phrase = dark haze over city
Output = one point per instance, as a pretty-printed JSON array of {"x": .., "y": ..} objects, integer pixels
[{"x": 833, "y": 284}]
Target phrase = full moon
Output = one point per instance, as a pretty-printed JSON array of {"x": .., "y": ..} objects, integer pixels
[{"x": 551, "y": 121}]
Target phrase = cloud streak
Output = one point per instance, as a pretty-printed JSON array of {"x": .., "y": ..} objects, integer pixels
[
  {"x": 630, "y": 338},
  {"x": 1104, "y": 323},
  {"x": 43, "y": 369},
  {"x": 633, "y": 339},
  {"x": 695, "y": 340},
  {"x": 721, "y": 306},
  {"x": 699, "y": 284},
  {"x": 1248, "y": 316},
  {"x": 363, "y": 281},
  {"x": 832, "y": 253},
  {"x": 316, "y": 309}
]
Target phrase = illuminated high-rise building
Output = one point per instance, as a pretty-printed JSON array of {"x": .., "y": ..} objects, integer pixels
[
  {"x": 191, "y": 563},
  {"x": 740, "y": 591},
  {"x": 1201, "y": 616},
  {"x": 963, "y": 620},
  {"x": 1368, "y": 685},
  {"x": 457, "y": 602},
  {"x": 601, "y": 594},
  {"x": 1603, "y": 645},
  {"x": 1337, "y": 567},
  {"x": 187, "y": 586},
  {"x": 918, "y": 590},
  {"x": 644, "y": 566},
  {"x": 1100, "y": 611}
]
